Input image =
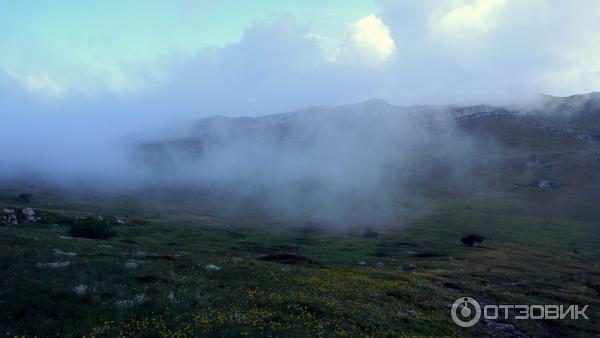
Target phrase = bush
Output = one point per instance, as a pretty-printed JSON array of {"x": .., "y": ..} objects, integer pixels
[
  {"x": 92, "y": 228},
  {"x": 469, "y": 240}
]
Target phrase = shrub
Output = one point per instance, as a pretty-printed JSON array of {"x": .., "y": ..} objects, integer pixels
[
  {"x": 92, "y": 228},
  {"x": 469, "y": 240}
]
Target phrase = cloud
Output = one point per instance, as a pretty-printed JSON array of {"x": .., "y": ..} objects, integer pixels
[
  {"x": 369, "y": 42},
  {"x": 39, "y": 84},
  {"x": 410, "y": 52},
  {"x": 469, "y": 19}
]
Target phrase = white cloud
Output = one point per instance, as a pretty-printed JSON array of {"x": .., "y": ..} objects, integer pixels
[
  {"x": 411, "y": 52},
  {"x": 466, "y": 20},
  {"x": 39, "y": 84},
  {"x": 369, "y": 42}
]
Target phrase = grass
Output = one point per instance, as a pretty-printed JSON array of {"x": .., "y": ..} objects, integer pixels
[{"x": 152, "y": 278}]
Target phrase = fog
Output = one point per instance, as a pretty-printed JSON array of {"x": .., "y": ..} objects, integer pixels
[{"x": 357, "y": 165}]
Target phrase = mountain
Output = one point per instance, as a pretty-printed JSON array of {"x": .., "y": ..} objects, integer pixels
[{"x": 581, "y": 112}]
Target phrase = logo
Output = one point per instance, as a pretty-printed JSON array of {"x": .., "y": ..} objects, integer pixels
[
  {"x": 466, "y": 311},
  {"x": 463, "y": 309}
]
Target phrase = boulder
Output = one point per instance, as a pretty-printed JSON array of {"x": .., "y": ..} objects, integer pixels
[
  {"x": 29, "y": 215},
  {"x": 8, "y": 217}
]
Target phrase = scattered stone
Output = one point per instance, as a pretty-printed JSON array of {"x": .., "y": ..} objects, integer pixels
[
  {"x": 548, "y": 184},
  {"x": 362, "y": 263},
  {"x": 408, "y": 267},
  {"x": 54, "y": 265},
  {"x": 469, "y": 240},
  {"x": 379, "y": 264},
  {"x": 212, "y": 267},
  {"x": 80, "y": 289},
  {"x": 119, "y": 221},
  {"x": 59, "y": 252}
]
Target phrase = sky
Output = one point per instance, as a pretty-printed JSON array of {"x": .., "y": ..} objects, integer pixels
[{"x": 191, "y": 58}]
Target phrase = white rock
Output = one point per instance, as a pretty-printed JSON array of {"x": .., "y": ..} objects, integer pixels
[
  {"x": 59, "y": 252},
  {"x": 80, "y": 289},
  {"x": 212, "y": 267}
]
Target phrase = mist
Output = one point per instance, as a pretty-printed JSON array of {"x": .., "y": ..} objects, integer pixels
[{"x": 355, "y": 164}]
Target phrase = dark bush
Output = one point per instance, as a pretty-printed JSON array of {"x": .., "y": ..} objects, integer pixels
[
  {"x": 469, "y": 240},
  {"x": 92, "y": 228}
]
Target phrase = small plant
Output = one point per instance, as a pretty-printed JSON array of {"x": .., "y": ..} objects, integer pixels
[{"x": 92, "y": 228}]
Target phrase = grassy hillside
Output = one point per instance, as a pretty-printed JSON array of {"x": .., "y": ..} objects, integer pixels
[{"x": 206, "y": 277}]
